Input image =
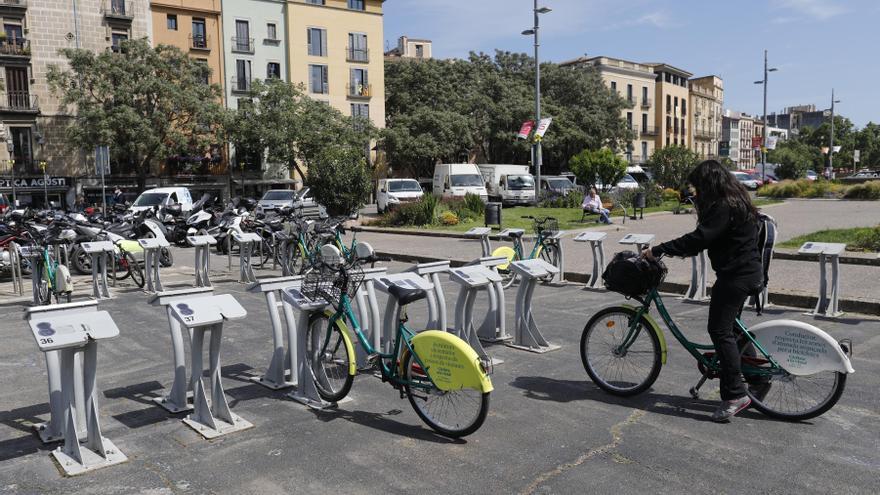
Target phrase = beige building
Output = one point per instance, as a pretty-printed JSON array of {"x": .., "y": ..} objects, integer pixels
[
  {"x": 707, "y": 101},
  {"x": 737, "y": 132},
  {"x": 672, "y": 95},
  {"x": 411, "y": 48},
  {"x": 635, "y": 83},
  {"x": 757, "y": 132},
  {"x": 335, "y": 50}
]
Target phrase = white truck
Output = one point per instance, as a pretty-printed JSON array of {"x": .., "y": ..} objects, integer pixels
[
  {"x": 457, "y": 179},
  {"x": 509, "y": 184}
]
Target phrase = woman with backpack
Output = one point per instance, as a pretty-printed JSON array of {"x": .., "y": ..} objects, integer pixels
[{"x": 728, "y": 228}]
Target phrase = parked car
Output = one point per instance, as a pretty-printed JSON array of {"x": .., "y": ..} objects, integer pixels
[
  {"x": 747, "y": 180},
  {"x": 161, "y": 197},
  {"x": 276, "y": 199},
  {"x": 458, "y": 179},
  {"x": 392, "y": 192},
  {"x": 556, "y": 184},
  {"x": 812, "y": 175}
]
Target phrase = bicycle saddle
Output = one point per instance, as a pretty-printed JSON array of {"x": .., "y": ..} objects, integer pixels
[
  {"x": 405, "y": 296},
  {"x": 513, "y": 233}
]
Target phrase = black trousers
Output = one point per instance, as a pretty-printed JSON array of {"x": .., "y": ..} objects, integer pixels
[{"x": 728, "y": 297}]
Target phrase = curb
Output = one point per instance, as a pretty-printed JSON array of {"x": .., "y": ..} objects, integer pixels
[{"x": 788, "y": 299}]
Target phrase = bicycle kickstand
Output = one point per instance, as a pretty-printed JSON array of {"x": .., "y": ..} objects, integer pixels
[{"x": 695, "y": 390}]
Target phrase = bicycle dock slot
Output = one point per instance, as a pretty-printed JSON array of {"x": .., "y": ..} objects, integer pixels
[
  {"x": 640, "y": 241},
  {"x": 99, "y": 252},
  {"x": 13, "y": 252},
  {"x": 494, "y": 326},
  {"x": 245, "y": 242},
  {"x": 696, "y": 290},
  {"x": 437, "y": 318},
  {"x": 472, "y": 279},
  {"x": 201, "y": 316},
  {"x": 69, "y": 334},
  {"x": 483, "y": 234},
  {"x": 368, "y": 313},
  {"x": 596, "y": 240},
  {"x": 153, "y": 247},
  {"x": 825, "y": 306},
  {"x": 555, "y": 240},
  {"x": 527, "y": 336},
  {"x": 281, "y": 371},
  {"x": 202, "y": 245},
  {"x": 34, "y": 254},
  {"x": 177, "y": 399}
]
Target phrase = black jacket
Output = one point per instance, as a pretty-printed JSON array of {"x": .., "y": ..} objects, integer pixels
[{"x": 732, "y": 242}]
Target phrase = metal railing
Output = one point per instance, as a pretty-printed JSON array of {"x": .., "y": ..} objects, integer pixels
[
  {"x": 633, "y": 127},
  {"x": 646, "y": 102},
  {"x": 240, "y": 85},
  {"x": 649, "y": 130},
  {"x": 15, "y": 46},
  {"x": 198, "y": 42},
  {"x": 632, "y": 101},
  {"x": 360, "y": 90},
  {"x": 357, "y": 54},
  {"x": 22, "y": 101},
  {"x": 703, "y": 133},
  {"x": 242, "y": 45},
  {"x": 634, "y": 158},
  {"x": 118, "y": 9}
]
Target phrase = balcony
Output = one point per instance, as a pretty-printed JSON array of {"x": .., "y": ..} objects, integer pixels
[
  {"x": 199, "y": 42},
  {"x": 20, "y": 102},
  {"x": 357, "y": 55},
  {"x": 634, "y": 159},
  {"x": 118, "y": 10},
  {"x": 649, "y": 130},
  {"x": 633, "y": 127},
  {"x": 240, "y": 85},
  {"x": 703, "y": 133},
  {"x": 646, "y": 103},
  {"x": 631, "y": 100},
  {"x": 242, "y": 45},
  {"x": 359, "y": 90},
  {"x": 15, "y": 47}
]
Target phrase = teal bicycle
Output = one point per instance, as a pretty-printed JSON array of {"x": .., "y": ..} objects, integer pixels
[
  {"x": 442, "y": 376},
  {"x": 800, "y": 369},
  {"x": 544, "y": 247}
]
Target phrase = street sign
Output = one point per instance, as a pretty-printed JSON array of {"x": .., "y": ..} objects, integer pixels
[
  {"x": 526, "y": 129},
  {"x": 102, "y": 160}
]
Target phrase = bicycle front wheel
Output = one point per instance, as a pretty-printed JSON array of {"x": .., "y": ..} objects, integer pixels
[
  {"x": 328, "y": 358},
  {"x": 548, "y": 254},
  {"x": 620, "y": 361},
  {"x": 797, "y": 398},
  {"x": 454, "y": 413},
  {"x": 135, "y": 270}
]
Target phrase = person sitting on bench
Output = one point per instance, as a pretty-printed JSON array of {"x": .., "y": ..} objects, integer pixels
[{"x": 593, "y": 204}]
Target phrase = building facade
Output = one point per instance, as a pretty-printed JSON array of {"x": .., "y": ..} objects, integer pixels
[
  {"x": 672, "y": 115},
  {"x": 707, "y": 101},
  {"x": 411, "y": 48},
  {"x": 738, "y": 129},
  {"x": 194, "y": 26},
  {"x": 635, "y": 83},
  {"x": 792, "y": 119}
]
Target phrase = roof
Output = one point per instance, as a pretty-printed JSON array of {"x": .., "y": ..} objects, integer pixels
[{"x": 659, "y": 66}]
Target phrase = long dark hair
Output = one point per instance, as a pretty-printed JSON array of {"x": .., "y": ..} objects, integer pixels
[{"x": 715, "y": 183}]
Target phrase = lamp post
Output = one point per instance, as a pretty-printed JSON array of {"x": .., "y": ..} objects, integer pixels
[
  {"x": 11, "y": 163},
  {"x": 830, "y": 170},
  {"x": 764, "y": 137},
  {"x": 536, "y": 148}
]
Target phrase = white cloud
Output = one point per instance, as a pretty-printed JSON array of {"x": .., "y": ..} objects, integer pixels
[{"x": 814, "y": 9}]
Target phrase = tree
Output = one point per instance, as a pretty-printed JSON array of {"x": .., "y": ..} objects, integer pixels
[
  {"x": 601, "y": 167},
  {"x": 339, "y": 179},
  {"x": 144, "y": 103},
  {"x": 794, "y": 158},
  {"x": 671, "y": 166},
  {"x": 727, "y": 163}
]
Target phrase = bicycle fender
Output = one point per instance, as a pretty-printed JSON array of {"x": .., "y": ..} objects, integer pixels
[
  {"x": 450, "y": 362},
  {"x": 346, "y": 337},
  {"x": 131, "y": 246},
  {"x": 504, "y": 252},
  {"x": 656, "y": 328},
  {"x": 801, "y": 348}
]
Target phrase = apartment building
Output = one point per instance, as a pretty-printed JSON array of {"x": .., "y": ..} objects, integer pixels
[
  {"x": 411, "y": 48},
  {"x": 34, "y": 122},
  {"x": 706, "y": 103},
  {"x": 194, "y": 26},
  {"x": 738, "y": 129},
  {"x": 672, "y": 96},
  {"x": 635, "y": 83}
]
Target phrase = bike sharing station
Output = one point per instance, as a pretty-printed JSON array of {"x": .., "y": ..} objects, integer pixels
[
  {"x": 596, "y": 240},
  {"x": 437, "y": 318},
  {"x": 202, "y": 245},
  {"x": 640, "y": 241},
  {"x": 281, "y": 372},
  {"x": 246, "y": 241},
  {"x": 403, "y": 280},
  {"x": 473, "y": 279},
  {"x": 696, "y": 290},
  {"x": 68, "y": 335},
  {"x": 153, "y": 247},
  {"x": 483, "y": 234},
  {"x": 527, "y": 336},
  {"x": 99, "y": 252},
  {"x": 826, "y": 251},
  {"x": 368, "y": 314}
]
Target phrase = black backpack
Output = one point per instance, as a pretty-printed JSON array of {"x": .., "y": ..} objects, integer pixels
[
  {"x": 631, "y": 275},
  {"x": 766, "y": 241}
]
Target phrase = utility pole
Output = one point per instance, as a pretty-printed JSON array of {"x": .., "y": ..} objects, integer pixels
[
  {"x": 536, "y": 148},
  {"x": 830, "y": 171},
  {"x": 764, "y": 136}
]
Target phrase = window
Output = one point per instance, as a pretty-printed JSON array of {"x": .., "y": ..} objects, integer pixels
[
  {"x": 315, "y": 2},
  {"x": 116, "y": 39},
  {"x": 360, "y": 110},
  {"x": 273, "y": 70},
  {"x": 668, "y": 103},
  {"x": 644, "y": 93},
  {"x": 667, "y": 77},
  {"x": 359, "y": 84},
  {"x": 644, "y": 122},
  {"x": 317, "y": 40},
  {"x": 171, "y": 22},
  {"x": 420, "y": 51},
  {"x": 21, "y": 139},
  {"x": 242, "y": 75},
  {"x": 676, "y": 103},
  {"x": 356, "y": 4},
  {"x": 319, "y": 82},
  {"x": 271, "y": 31},
  {"x": 242, "y": 40},
  {"x": 357, "y": 47},
  {"x": 629, "y": 92},
  {"x": 629, "y": 119},
  {"x": 684, "y": 108},
  {"x": 199, "y": 34},
  {"x": 614, "y": 86},
  {"x": 644, "y": 150}
]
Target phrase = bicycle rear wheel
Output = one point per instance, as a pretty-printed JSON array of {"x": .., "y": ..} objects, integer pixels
[
  {"x": 135, "y": 270},
  {"x": 620, "y": 371},
  {"x": 454, "y": 413},
  {"x": 328, "y": 359},
  {"x": 548, "y": 254},
  {"x": 797, "y": 398}
]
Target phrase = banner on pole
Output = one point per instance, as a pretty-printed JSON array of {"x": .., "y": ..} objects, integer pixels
[
  {"x": 771, "y": 142},
  {"x": 542, "y": 126},
  {"x": 756, "y": 142},
  {"x": 837, "y": 149},
  {"x": 526, "y": 129},
  {"x": 857, "y": 156}
]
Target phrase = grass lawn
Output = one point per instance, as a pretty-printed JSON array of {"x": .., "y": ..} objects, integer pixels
[
  {"x": 846, "y": 236},
  {"x": 569, "y": 218}
]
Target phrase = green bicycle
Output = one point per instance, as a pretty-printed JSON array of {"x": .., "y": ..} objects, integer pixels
[
  {"x": 442, "y": 376},
  {"x": 801, "y": 368},
  {"x": 544, "y": 247}
]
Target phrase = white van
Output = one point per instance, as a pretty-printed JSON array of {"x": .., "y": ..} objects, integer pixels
[
  {"x": 392, "y": 192},
  {"x": 458, "y": 179},
  {"x": 163, "y": 196},
  {"x": 509, "y": 184}
]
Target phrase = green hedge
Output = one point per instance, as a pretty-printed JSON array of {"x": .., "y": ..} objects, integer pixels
[
  {"x": 430, "y": 210},
  {"x": 805, "y": 188}
]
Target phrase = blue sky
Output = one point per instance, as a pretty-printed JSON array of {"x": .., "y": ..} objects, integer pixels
[{"x": 815, "y": 44}]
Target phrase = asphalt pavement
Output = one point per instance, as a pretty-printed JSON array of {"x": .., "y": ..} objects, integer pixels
[{"x": 549, "y": 430}]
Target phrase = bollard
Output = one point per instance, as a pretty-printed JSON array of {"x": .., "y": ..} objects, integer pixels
[
  {"x": 281, "y": 362},
  {"x": 71, "y": 333},
  {"x": 596, "y": 240},
  {"x": 202, "y": 245},
  {"x": 483, "y": 234},
  {"x": 472, "y": 279},
  {"x": 528, "y": 337},
  {"x": 826, "y": 307},
  {"x": 306, "y": 392},
  {"x": 436, "y": 299},
  {"x": 696, "y": 290},
  {"x": 368, "y": 314},
  {"x": 152, "y": 247}
]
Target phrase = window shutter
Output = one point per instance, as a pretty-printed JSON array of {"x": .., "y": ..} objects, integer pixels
[
  {"x": 309, "y": 40},
  {"x": 325, "y": 80},
  {"x": 323, "y": 42}
]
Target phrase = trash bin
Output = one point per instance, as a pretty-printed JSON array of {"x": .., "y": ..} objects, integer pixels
[
  {"x": 638, "y": 204},
  {"x": 492, "y": 215}
]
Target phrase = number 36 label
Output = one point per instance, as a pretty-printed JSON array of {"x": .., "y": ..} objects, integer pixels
[{"x": 46, "y": 341}]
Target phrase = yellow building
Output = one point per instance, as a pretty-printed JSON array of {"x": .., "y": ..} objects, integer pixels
[
  {"x": 194, "y": 27},
  {"x": 707, "y": 101},
  {"x": 335, "y": 50},
  {"x": 671, "y": 90}
]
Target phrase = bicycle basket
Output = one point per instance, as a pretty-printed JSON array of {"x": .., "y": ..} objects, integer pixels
[
  {"x": 631, "y": 275},
  {"x": 329, "y": 283},
  {"x": 546, "y": 226}
]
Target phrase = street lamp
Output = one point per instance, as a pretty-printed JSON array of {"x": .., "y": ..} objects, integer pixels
[
  {"x": 11, "y": 163},
  {"x": 764, "y": 137},
  {"x": 536, "y": 148},
  {"x": 830, "y": 170},
  {"x": 43, "y": 165}
]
